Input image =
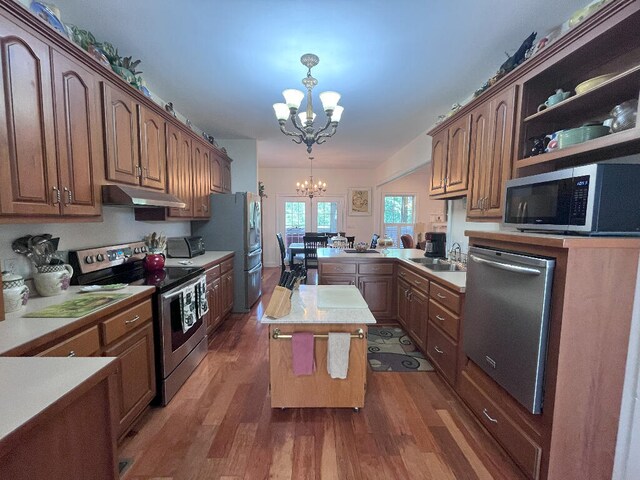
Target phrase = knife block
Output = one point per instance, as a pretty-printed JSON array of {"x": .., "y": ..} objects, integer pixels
[{"x": 280, "y": 303}]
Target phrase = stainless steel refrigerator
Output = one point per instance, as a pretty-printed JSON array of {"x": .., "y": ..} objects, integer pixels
[{"x": 235, "y": 225}]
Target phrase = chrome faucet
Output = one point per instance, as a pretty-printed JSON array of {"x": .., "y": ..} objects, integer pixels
[{"x": 455, "y": 254}]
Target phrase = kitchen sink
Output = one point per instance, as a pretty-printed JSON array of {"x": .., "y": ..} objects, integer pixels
[{"x": 439, "y": 264}]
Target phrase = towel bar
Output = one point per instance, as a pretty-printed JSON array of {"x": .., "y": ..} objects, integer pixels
[{"x": 277, "y": 335}]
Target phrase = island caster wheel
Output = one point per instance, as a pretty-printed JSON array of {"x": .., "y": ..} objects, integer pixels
[{"x": 356, "y": 409}]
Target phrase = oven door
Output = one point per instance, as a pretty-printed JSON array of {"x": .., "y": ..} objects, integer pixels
[{"x": 175, "y": 344}]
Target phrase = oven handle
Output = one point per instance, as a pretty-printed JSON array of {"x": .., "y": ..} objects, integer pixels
[
  {"x": 506, "y": 266},
  {"x": 168, "y": 296}
]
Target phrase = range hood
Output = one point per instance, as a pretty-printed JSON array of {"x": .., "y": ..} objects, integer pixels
[{"x": 126, "y": 196}]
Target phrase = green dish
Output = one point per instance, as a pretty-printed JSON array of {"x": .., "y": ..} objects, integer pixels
[{"x": 573, "y": 136}]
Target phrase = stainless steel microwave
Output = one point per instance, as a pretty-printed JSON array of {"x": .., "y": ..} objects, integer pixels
[{"x": 597, "y": 199}]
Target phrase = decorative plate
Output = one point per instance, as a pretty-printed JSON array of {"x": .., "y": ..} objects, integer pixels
[{"x": 44, "y": 12}]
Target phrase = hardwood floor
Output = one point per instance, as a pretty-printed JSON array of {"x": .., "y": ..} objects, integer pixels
[{"x": 220, "y": 425}]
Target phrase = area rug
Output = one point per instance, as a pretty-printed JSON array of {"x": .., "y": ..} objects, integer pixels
[{"x": 390, "y": 349}]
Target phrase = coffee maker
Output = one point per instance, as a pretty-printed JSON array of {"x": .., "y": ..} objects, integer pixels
[{"x": 435, "y": 244}]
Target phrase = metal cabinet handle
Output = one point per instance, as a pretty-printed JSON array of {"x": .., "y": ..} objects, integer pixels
[
  {"x": 506, "y": 266},
  {"x": 486, "y": 414},
  {"x": 69, "y": 199},
  {"x": 56, "y": 195},
  {"x": 72, "y": 354},
  {"x": 417, "y": 282},
  {"x": 133, "y": 320},
  {"x": 441, "y": 352},
  {"x": 440, "y": 318},
  {"x": 439, "y": 295},
  {"x": 410, "y": 296},
  {"x": 402, "y": 274}
]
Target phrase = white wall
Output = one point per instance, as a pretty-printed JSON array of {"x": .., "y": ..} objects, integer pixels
[
  {"x": 282, "y": 181},
  {"x": 458, "y": 224},
  {"x": 244, "y": 168},
  {"x": 118, "y": 226},
  {"x": 411, "y": 156}
]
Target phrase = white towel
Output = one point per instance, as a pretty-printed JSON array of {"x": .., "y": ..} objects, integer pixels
[
  {"x": 188, "y": 304},
  {"x": 203, "y": 304},
  {"x": 338, "y": 354}
]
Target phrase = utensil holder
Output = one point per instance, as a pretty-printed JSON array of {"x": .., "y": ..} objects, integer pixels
[{"x": 280, "y": 303}]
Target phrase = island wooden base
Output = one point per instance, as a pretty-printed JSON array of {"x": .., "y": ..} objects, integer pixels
[{"x": 319, "y": 389}]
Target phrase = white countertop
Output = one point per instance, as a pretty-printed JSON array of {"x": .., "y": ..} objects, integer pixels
[
  {"x": 199, "y": 261},
  {"x": 32, "y": 384},
  {"x": 304, "y": 308},
  {"x": 16, "y": 330},
  {"x": 457, "y": 279}
]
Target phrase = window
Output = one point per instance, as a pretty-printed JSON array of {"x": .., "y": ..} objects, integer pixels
[
  {"x": 398, "y": 216},
  {"x": 327, "y": 217},
  {"x": 294, "y": 221}
]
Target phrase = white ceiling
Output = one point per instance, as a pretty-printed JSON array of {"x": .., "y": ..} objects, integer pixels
[{"x": 397, "y": 63}]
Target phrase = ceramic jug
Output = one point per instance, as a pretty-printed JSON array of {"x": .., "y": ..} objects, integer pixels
[
  {"x": 15, "y": 293},
  {"x": 557, "y": 97},
  {"x": 53, "y": 279}
]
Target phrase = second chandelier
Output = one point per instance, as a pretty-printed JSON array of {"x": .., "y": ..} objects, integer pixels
[{"x": 303, "y": 122}]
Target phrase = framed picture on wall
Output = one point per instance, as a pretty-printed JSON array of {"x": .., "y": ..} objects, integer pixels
[{"x": 359, "y": 201}]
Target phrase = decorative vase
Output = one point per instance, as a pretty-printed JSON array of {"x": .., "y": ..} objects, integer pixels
[
  {"x": 53, "y": 279},
  {"x": 154, "y": 262},
  {"x": 15, "y": 293}
]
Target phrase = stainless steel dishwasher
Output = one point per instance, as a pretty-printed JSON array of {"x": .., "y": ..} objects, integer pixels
[{"x": 506, "y": 318}]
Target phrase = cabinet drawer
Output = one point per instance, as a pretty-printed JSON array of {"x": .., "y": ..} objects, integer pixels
[
  {"x": 213, "y": 273},
  {"x": 338, "y": 280},
  {"x": 83, "y": 344},
  {"x": 226, "y": 265},
  {"x": 524, "y": 451},
  {"x": 333, "y": 268},
  {"x": 414, "y": 280},
  {"x": 375, "y": 268},
  {"x": 443, "y": 352},
  {"x": 446, "y": 320},
  {"x": 446, "y": 297},
  {"x": 126, "y": 321}
]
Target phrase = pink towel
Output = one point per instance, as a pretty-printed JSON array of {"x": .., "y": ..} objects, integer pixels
[{"x": 303, "y": 358}]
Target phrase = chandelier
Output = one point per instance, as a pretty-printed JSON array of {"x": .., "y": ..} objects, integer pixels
[
  {"x": 303, "y": 122},
  {"x": 310, "y": 189}
]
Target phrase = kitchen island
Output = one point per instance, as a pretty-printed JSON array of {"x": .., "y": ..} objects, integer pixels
[{"x": 320, "y": 310}]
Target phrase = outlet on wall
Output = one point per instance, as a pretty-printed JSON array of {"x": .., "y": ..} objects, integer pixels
[{"x": 10, "y": 265}]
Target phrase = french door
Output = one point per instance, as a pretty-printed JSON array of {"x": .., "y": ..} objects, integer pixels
[{"x": 297, "y": 215}]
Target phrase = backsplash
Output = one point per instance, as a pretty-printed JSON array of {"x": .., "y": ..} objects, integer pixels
[
  {"x": 458, "y": 224},
  {"x": 118, "y": 225}
]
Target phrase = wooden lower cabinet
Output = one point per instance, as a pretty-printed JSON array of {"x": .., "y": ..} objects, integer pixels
[
  {"x": 402, "y": 295},
  {"x": 418, "y": 317},
  {"x": 84, "y": 344},
  {"x": 338, "y": 280},
  {"x": 226, "y": 292},
  {"x": 377, "y": 291},
  {"x": 136, "y": 382},
  {"x": 215, "y": 305},
  {"x": 443, "y": 352}
]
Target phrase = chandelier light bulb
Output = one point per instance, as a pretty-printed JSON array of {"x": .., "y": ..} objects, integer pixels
[
  {"x": 329, "y": 100},
  {"x": 282, "y": 111},
  {"x": 337, "y": 114},
  {"x": 293, "y": 98},
  {"x": 303, "y": 117}
]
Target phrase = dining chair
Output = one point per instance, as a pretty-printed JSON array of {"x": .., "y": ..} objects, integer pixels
[
  {"x": 374, "y": 240},
  {"x": 283, "y": 251},
  {"x": 351, "y": 241},
  {"x": 311, "y": 245},
  {"x": 407, "y": 241}
]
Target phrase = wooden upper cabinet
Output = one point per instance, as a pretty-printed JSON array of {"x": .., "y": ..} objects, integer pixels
[
  {"x": 28, "y": 175},
  {"x": 438, "y": 162},
  {"x": 80, "y": 153},
  {"x": 121, "y": 136},
  {"x": 153, "y": 159},
  {"x": 201, "y": 180},
  {"x": 179, "y": 170},
  {"x": 226, "y": 175},
  {"x": 458, "y": 156},
  {"x": 491, "y": 149},
  {"x": 450, "y": 160},
  {"x": 216, "y": 172},
  {"x": 478, "y": 159}
]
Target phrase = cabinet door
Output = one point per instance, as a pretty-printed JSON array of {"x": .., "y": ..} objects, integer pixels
[
  {"x": 215, "y": 304},
  {"x": 216, "y": 172},
  {"x": 458, "y": 155},
  {"x": 179, "y": 179},
  {"x": 500, "y": 150},
  {"x": 136, "y": 381},
  {"x": 201, "y": 176},
  {"x": 80, "y": 153},
  {"x": 438, "y": 162},
  {"x": 402, "y": 294},
  {"x": 121, "y": 136},
  {"x": 419, "y": 306},
  {"x": 378, "y": 293},
  {"x": 227, "y": 292},
  {"x": 153, "y": 156},
  {"x": 226, "y": 176},
  {"x": 27, "y": 143},
  {"x": 478, "y": 160}
]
